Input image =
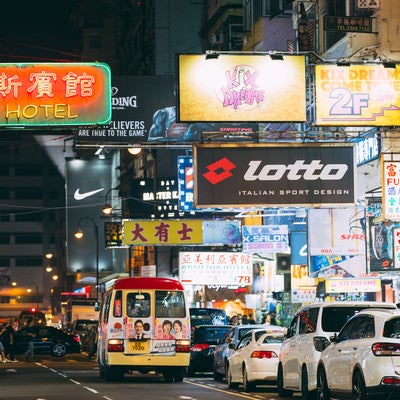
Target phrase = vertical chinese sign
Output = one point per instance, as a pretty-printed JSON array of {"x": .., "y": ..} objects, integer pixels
[
  {"x": 391, "y": 190},
  {"x": 55, "y": 94}
]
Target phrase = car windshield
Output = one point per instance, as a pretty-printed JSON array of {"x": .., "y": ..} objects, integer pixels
[{"x": 209, "y": 334}]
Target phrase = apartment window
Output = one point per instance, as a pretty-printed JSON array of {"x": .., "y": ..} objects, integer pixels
[
  {"x": 28, "y": 193},
  {"x": 26, "y": 238},
  {"x": 5, "y": 261},
  {"x": 28, "y": 261},
  {"x": 4, "y": 238}
]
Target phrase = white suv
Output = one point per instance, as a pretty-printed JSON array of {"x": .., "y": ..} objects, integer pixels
[
  {"x": 363, "y": 360},
  {"x": 307, "y": 336}
]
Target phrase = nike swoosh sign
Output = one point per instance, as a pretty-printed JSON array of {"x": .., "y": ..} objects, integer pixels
[{"x": 82, "y": 196}]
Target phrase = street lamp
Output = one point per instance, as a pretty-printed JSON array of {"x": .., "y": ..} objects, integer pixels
[
  {"x": 79, "y": 235},
  {"x": 107, "y": 209}
]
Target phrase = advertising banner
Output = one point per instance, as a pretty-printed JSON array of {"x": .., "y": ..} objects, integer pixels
[
  {"x": 298, "y": 244},
  {"x": 357, "y": 95},
  {"x": 352, "y": 285},
  {"x": 215, "y": 268},
  {"x": 234, "y": 88},
  {"x": 162, "y": 232},
  {"x": 273, "y": 174},
  {"x": 144, "y": 110},
  {"x": 265, "y": 238},
  {"x": 339, "y": 231},
  {"x": 55, "y": 94}
]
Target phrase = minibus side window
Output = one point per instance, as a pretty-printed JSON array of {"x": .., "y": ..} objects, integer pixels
[
  {"x": 170, "y": 304},
  {"x": 106, "y": 308},
  {"x": 117, "y": 312},
  {"x": 138, "y": 305}
]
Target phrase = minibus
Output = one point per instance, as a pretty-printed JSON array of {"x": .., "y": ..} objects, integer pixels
[{"x": 144, "y": 326}]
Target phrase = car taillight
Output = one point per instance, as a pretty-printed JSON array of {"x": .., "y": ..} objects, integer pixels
[
  {"x": 115, "y": 345},
  {"x": 321, "y": 343},
  {"x": 182, "y": 346},
  {"x": 263, "y": 354},
  {"x": 200, "y": 347},
  {"x": 390, "y": 380},
  {"x": 76, "y": 339},
  {"x": 386, "y": 349}
]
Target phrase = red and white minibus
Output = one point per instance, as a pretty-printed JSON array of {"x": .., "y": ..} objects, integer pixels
[{"x": 144, "y": 326}]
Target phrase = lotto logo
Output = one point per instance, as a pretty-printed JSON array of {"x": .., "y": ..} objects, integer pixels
[{"x": 219, "y": 171}]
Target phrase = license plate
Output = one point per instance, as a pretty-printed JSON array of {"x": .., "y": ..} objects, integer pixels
[{"x": 138, "y": 347}]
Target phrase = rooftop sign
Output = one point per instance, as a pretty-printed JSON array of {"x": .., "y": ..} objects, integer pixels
[{"x": 55, "y": 94}]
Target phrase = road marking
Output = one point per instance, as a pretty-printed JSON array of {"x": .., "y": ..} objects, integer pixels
[{"x": 241, "y": 395}]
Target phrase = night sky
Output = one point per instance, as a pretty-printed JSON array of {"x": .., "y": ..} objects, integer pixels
[{"x": 36, "y": 31}]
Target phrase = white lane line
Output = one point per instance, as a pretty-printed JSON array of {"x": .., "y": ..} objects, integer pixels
[{"x": 90, "y": 389}]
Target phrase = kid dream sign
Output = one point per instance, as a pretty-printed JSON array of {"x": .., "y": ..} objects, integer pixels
[{"x": 60, "y": 94}]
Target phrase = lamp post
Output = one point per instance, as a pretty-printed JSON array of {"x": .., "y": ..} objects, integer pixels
[{"x": 79, "y": 235}]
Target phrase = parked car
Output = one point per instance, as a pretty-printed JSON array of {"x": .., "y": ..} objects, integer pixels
[
  {"x": 203, "y": 341},
  {"x": 48, "y": 340},
  {"x": 87, "y": 331},
  {"x": 207, "y": 316},
  {"x": 255, "y": 359},
  {"x": 363, "y": 359},
  {"x": 233, "y": 336},
  {"x": 307, "y": 336}
]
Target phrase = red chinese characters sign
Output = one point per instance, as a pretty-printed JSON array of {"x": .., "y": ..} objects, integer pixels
[
  {"x": 391, "y": 190},
  {"x": 51, "y": 94},
  {"x": 162, "y": 232}
]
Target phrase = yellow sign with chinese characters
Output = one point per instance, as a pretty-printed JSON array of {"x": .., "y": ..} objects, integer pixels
[
  {"x": 162, "y": 232},
  {"x": 55, "y": 94}
]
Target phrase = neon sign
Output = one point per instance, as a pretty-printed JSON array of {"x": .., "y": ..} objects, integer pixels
[{"x": 59, "y": 94}]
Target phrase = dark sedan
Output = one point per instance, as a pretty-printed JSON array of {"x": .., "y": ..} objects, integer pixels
[
  {"x": 204, "y": 339},
  {"x": 48, "y": 340}
]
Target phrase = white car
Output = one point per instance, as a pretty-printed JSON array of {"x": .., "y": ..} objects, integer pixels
[
  {"x": 363, "y": 360},
  {"x": 255, "y": 359},
  {"x": 222, "y": 350},
  {"x": 307, "y": 336}
]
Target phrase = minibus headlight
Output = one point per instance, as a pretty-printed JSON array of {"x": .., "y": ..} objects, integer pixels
[
  {"x": 115, "y": 345},
  {"x": 182, "y": 346}
]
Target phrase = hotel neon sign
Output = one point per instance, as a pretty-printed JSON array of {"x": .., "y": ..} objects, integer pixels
[{"x": 55, "y": 94}]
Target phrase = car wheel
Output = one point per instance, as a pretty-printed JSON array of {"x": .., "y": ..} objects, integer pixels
[
  {"x": 279, "y": 384},
  {"x": 322, "y": 385},
  {"x": 247, "y": 386},
  {"x": 359, "y": 389},
  {"x": 305, "y": 393},
  {"x": 59, "y": 350},
  {"x": 217, "y": 375},
  {"x": 231, "y": 385}
]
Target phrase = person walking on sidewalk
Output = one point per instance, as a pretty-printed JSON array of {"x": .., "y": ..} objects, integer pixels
[{"x": 30, "y": 334}]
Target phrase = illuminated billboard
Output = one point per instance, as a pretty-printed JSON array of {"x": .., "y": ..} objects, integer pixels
[
  {"x": 357, "y": 95},
  {"x": 234, "y": 88},
  {"x": 55, "y": 94}
]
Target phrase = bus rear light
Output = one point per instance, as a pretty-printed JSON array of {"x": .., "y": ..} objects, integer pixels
[
  {"x": 115, "y": 345},
  {"x": 182, "y": 346}
]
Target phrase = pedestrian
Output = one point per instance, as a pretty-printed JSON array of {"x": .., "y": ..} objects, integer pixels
[
  {"x": 30, "y": 334},
  {"x": 251, "y": 319},
  {"x": 2, "y": 353},
  {"x": 8, "y": 338}
]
